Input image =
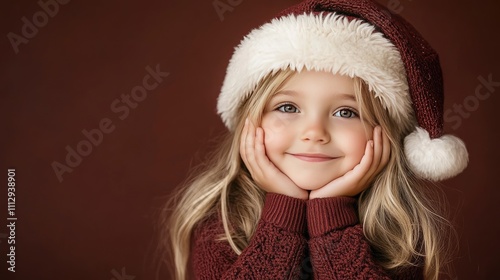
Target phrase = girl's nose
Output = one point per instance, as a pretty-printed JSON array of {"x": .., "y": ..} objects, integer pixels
[{"x": 316, "y": 130}]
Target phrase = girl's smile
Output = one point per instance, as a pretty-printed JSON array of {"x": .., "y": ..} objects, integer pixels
[{"x": 313, "y": 157}]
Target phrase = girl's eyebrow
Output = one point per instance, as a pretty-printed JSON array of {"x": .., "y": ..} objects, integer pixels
[
  {"x": 285, "y": 92},
  {"x": 346, "y": 96},
  {"x": 342, "y": 96}
]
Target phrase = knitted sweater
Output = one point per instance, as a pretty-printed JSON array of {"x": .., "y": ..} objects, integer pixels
[{"x": 294, "y": 239}]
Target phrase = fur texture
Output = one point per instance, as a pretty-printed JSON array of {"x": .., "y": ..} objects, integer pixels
[
  {"x": 435, "y": 159},
  {"x": 316, "y": 42}
]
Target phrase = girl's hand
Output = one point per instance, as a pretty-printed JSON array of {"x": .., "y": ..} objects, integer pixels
[
  {"x": 263, "y": 171},
  {"x": 376, "y": 156}
]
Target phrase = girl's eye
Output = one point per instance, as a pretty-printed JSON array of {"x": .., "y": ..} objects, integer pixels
[
  {"x": 345, "y": 113},
  {"x": 287, "y": 108}
]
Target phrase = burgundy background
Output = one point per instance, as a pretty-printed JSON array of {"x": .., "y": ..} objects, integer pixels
[{"x": 101, "y": 217}]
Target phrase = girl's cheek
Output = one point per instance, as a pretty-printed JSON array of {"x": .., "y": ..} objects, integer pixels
[
  {"x": 352, "y": 138},
  {"x": 274, "y": 125},
  {"x": 359, "y": 145}
]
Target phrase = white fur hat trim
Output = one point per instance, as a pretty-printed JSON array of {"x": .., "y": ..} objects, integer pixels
[{"x": 316, "y": 42}]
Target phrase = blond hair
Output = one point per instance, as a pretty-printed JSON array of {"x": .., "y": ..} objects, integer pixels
[
  {"x": 399, "y": 219},
  {"x": 403, "y": 217}
]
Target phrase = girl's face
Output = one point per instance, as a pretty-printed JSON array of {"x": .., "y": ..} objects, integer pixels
[{"x": 312, "y": 129}]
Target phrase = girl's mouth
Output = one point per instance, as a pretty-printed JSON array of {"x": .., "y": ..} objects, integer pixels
[{"x": 313, "y": 157}]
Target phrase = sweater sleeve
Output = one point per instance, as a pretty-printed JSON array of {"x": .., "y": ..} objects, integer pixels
[
  {"x": 338, "y": 247},
  {"x": 274, "y": 252}
]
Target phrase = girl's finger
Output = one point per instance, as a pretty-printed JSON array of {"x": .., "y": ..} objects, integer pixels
[
  {"x": 360, "y": 171},
  {"x": 253, "y": 155},
  {"x": 365, "y": 167},
  {"x": 386, "y": 151},
  {"x": 260, "y": 152}
]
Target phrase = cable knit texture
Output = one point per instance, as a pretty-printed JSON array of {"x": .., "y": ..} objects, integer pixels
[{"x": 294, "y": 239}]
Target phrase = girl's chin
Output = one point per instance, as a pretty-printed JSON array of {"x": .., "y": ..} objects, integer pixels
[
  {"x": 311, "y": 182},
  {"x": 310, "y": 185}
]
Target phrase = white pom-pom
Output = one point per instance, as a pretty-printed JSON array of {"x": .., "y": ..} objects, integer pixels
[{"x": 435, "y": 159}]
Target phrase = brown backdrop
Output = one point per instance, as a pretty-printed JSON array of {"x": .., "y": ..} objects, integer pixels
[{"x": 64, "y": 77}]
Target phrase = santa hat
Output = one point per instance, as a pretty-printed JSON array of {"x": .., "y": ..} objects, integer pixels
[{"x": 355, "y": 38}]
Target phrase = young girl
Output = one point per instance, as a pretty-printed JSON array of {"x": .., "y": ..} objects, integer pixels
[{"x": 334, "y": 111}]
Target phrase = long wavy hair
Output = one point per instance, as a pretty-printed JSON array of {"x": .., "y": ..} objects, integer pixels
[{"x": 401, "y": 216}]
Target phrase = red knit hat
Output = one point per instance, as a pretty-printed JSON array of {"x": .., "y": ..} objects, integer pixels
[{"x": 355, "y": 38}]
